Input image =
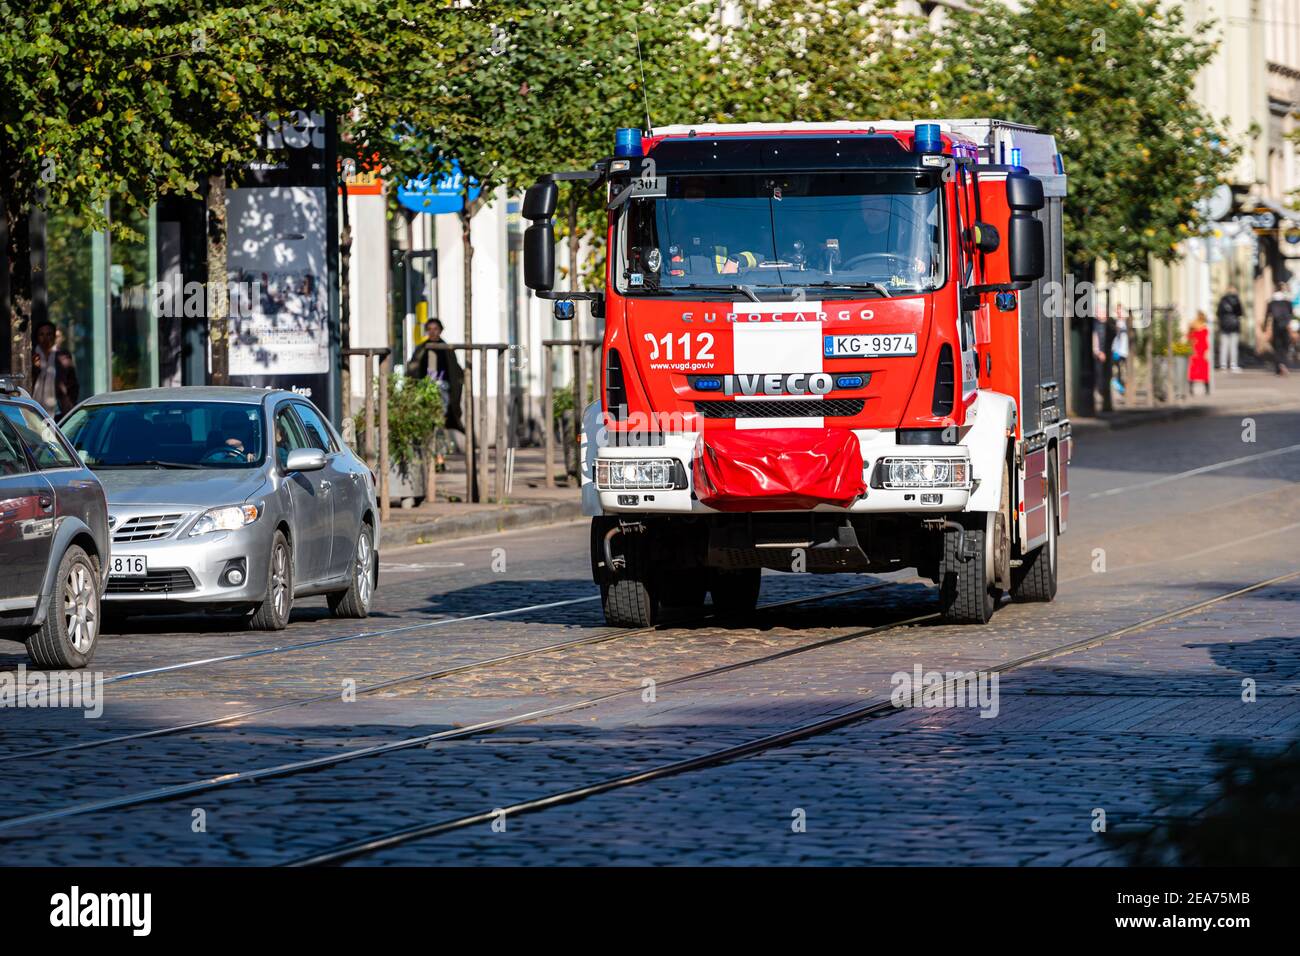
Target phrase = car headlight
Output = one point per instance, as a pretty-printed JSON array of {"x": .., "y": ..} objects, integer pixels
[
  {"x": 924, "y": 473},
  {"x": 636, "y": 474},
  {"x": 227, "y": 518}
]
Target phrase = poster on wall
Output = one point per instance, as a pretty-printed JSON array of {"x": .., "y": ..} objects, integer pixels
[
  {"x": 279, "y": 310},
  {"x": 281, "y": 257}
]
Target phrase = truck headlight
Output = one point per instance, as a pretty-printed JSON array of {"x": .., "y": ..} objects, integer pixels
[
  {"x": 227, "y": 518},
  {"x": 636, "y": 474},
  {"x": 924, "y": 473}
]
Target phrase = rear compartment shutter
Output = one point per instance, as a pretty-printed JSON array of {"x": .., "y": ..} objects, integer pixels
[
  {"x": 615, "y": 390},
  {"x": 945, "y": 377}
]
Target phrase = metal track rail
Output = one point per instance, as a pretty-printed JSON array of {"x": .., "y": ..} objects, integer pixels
[
  {"x": 874, "y": 710},
  {"x": 437, "y": 674},
  {"x": 488, "y": 726}
]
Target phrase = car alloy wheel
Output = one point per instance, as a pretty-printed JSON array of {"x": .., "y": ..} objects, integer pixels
[
  {"x": 361, "y": 571},
  {"x": 280, "y": 580},
  {"x": 80, "y": 608}
]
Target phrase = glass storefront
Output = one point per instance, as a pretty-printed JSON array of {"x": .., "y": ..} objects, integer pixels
[
  {"x": 75, "y": 297},
  {"x": 99, "y": 297},
  {"x": 134, "y": 325}
]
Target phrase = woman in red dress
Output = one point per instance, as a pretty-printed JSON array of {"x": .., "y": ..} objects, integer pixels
[{"x": 1198, "y": 368}]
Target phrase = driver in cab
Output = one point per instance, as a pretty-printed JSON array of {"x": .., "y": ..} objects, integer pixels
[
  {"x": 696, "y": 258},
  {"x": 881, "y": 245}
]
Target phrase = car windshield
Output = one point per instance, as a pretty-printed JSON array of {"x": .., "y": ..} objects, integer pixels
[
  {"x": 771, "y": 236},
  {"x": 167, "y": 435}
]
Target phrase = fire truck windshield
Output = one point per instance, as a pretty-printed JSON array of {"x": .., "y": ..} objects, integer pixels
[{"x": 843, "y": 233}]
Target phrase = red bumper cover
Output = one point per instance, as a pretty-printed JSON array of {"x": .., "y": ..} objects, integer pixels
[{"x": 778, "y": 469}]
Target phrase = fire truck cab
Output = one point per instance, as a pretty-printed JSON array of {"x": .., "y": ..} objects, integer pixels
[{"x": 828, "y": 347}]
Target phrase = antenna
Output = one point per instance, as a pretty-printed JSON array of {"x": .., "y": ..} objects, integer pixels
[{"x": 645, "y": 94}]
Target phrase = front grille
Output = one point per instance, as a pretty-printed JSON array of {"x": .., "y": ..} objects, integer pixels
[
  {"x": 155, "y": 582},
  {"x": 782, "y": 408},
  {"x": 146, "y": 527}
]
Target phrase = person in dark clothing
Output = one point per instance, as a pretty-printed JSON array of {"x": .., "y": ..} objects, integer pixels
[
  {"x": 440, "y": 364},
  {"x": 54, "y": 376},
  {"x": 1277, "y": 321},
  {"x": 1104, "y": 330},
  {"x": 1228, "y": 315}
]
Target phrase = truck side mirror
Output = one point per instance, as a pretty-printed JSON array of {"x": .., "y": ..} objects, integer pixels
[
  {"x": 1024, "y": 192},
  {"x": 1025, "y": 244},
  {"x": 539, "y": 256},
  {"x": 540, "y": 200},
  {"x": 539, "y": 238},
  {"x": 1025, "y": 248}
]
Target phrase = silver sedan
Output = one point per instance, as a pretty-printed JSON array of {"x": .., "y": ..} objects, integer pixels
[{"x": 234, "y": 498}]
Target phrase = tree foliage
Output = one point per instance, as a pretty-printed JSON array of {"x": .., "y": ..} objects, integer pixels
[{"x": 1114, "y": 80}]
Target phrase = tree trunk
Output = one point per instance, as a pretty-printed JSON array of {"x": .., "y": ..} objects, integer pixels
[
  {"x": 218, "y": 298},
  {"x": 345, "y": 299},
  {"x": 471, "y": 452},
  {"x": 19, "y": 293}
]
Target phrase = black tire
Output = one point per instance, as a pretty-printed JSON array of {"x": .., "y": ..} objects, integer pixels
[
  {"x": 736, "y": 591},
  {"x": 966, "y": 595},
  {"x": 1035, "y": 579},
  {"x": 630, "y": 594},
  {"x": 70, "y": 632},
  {"x": 355, "y": 601},
  {"x": 273, "y": 613}
]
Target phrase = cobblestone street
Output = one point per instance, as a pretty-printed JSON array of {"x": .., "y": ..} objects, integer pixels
[{"x": 1126, "y": 727}]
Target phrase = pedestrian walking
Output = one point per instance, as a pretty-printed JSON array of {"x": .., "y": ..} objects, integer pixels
[
  {"x": 442, "y": 365},
  {"x": 54, "y": 376},
  {"x": 1103, "y": 340},
  {"x": 1228, "y": 315},
  {"x": 1277, "y": 325},
  {"x": 1119, "y": 352},
  {"x": 1198, "y": 367}
]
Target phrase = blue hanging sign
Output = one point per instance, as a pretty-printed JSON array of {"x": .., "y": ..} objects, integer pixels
[{"x": 436, "y": 194}]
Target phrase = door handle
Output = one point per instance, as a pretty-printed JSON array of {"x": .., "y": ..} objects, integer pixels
[
  {"x": 45, "y": 501},
  {"x": 325, "y": 486}
]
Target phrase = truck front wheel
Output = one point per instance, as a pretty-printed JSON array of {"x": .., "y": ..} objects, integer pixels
[
  {"x": 629, "y": 593},
  {"x": 967, "y": 592}
]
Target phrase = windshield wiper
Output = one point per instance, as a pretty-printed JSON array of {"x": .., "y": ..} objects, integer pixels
[
  {"x": 852, "y": 286},
  {"x": 148, "y": 463},
  {"x": 696, "y": 287}
]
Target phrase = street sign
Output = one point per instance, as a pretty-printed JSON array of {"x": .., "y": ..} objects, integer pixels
[{"x": 436, "y": 194}]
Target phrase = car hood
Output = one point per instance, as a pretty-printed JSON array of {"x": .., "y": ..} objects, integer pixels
[{"x": 197, "y": 488}]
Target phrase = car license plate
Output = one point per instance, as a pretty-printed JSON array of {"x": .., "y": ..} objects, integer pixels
[
  {"x": 876, "y": 345},
  {"x": 128, "y": 566}
]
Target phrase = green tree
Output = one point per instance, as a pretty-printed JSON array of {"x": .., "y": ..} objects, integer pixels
[
  {"x": 822, "y": 61},
  {"x": 130, "y": 99},
  {"x": 1113, "y": 79}
]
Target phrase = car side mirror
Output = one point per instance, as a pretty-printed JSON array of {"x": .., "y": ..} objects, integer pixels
[{"x": 305, "y": 459}]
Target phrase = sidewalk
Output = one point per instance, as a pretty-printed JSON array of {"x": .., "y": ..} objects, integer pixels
[
  {"x": 530, "y": 504},
  {"x": 1253, "y": 389}
]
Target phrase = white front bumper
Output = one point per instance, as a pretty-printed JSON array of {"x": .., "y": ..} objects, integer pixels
[{"x": 874, "y": 445}]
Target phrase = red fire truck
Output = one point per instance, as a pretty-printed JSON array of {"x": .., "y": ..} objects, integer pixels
[{"x": 828, "y": 347}]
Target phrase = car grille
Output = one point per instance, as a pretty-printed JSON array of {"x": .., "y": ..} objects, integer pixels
[
  {"x": 782, "y": 408},
  {"x": 155, "y": 582},
  {"x": 146, "y": 527}
]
